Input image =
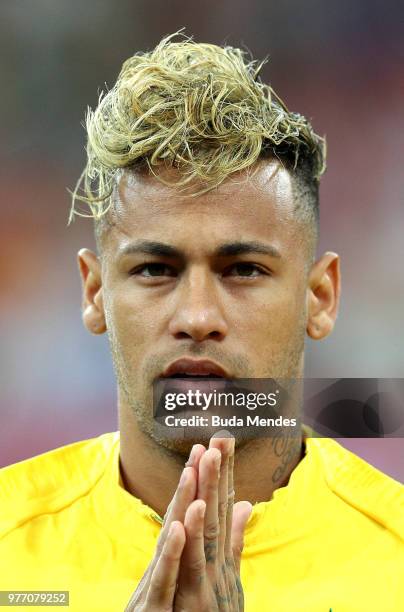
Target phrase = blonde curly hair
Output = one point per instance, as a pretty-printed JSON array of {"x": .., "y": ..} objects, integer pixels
[{"x": 198, "y": 107}]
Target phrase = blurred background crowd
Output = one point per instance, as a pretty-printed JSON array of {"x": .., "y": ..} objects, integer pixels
[{"x": 340, "y": 63}]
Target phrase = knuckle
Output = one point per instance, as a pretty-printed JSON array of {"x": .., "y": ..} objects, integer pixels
[
  {"x": 197, "y": 566},
  {"x": 222, "y": 509},
  {"x": 212, "y": 531}
]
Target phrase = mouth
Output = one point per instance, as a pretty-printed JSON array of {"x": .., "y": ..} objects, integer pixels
[
  {"x": 193, "y": 368},
  {"x": 208, "y": 376}
]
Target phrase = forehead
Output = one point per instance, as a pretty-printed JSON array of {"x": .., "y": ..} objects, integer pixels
[{"x": 251, "y": 205}]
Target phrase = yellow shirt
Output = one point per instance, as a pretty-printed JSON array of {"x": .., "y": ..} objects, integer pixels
[{"x": 333, "y": 538}]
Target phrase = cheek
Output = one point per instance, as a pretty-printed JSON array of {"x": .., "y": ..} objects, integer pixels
[
  {"x": 131, "y": 323},
  {"x": 274, "y": 313},
  {"x": 280, "y": 345}
]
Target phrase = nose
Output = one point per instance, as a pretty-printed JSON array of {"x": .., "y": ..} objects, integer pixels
[{"x": 198, "y": 314}]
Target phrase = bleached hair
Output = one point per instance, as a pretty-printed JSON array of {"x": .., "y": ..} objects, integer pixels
[{"x": 198, "y": 107}]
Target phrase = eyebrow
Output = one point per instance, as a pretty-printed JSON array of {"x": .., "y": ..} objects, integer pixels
[
  {"x": 229, "y": 249},
  {"x": 242, "y": 248},
  {"x": 150, "y": 247}
]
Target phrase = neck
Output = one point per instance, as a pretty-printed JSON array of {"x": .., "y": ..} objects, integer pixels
[{"x": 151, "y": 473}]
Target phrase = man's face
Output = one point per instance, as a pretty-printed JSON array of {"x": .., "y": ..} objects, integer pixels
[
  {"x": 226, "y": 276},
  {"x": 221, "y": 276}
]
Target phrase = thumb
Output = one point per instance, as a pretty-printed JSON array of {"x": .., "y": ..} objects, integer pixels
[{"x": 241, "y": 514}]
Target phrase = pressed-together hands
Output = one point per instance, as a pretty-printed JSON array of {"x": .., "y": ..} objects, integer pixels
[{"x": 196, "y": 566}]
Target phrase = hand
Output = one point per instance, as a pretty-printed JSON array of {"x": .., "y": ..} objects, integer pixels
[
  {"x": 156, "y": 589},
  {"x": 197, "y": 561},
  {"x": 209, "y": 574}
]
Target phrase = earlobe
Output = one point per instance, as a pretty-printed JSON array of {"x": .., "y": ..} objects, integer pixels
[
  {"x": 323, "y": 296},
  {"x": 92, "y": 301}
]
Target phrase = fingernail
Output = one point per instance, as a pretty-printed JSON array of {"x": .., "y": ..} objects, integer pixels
[{"x": 202, "y": 510}]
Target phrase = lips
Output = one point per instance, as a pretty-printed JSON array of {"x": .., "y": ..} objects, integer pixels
[{"x": 194, "y": 367}]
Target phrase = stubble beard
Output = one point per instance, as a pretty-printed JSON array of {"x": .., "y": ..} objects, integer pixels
[{"x": 141, "y": 403}]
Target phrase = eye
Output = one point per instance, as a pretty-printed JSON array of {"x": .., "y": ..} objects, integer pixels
[
  {"x": 153, "y": 270},
  {"x": 245, "y": 269}
]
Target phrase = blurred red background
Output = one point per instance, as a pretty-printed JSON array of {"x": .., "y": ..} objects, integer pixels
[{"x": 339, "y": 63}]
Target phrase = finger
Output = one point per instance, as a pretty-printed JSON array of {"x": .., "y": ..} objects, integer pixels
[
  {"x": 230, "y": 502},
  {"x": 193, "y": 562},
  {"x": 241, "y": 513},
  {"x": 208, "y": 480},
  {"x": 195, "y": 456},
  {"x": 193, "y": 462},
  {"x": 184, "y": 495},
  {"x": 184, "y": 483},
  {"x": 163, "y": 581},
  {"x": 226, "y": 447}
]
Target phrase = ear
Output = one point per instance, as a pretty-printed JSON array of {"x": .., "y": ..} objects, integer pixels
[
  {"x": 92, "y": 304},
  {"x": 323, "y": 296}
]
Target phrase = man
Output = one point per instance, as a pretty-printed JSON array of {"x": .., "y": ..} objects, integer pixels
[{"x": 204, "y": 190}]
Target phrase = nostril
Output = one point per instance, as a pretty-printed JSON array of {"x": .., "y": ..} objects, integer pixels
[
  {"x": 215, "y": 335},
  {"x": 182, "y": 335}
]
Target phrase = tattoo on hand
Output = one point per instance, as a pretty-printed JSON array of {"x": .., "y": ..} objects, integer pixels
[
  {"x": 210, "y": 552},
  {"x": 221, "y": 599}
]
